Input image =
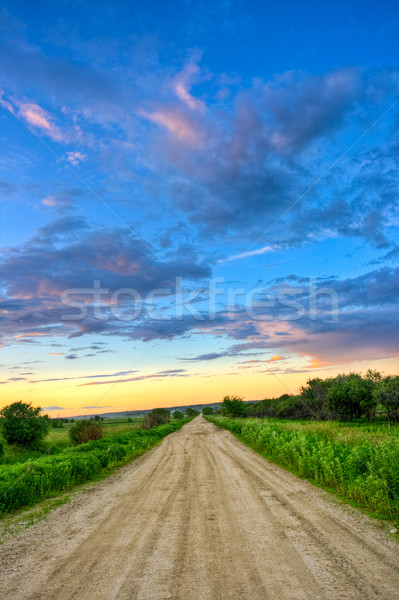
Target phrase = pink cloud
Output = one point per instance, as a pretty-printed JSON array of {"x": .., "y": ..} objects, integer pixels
[
  {"x": 74, "y": 158},
  {"x": 182, "y": 86},
  {"x": 178, "y": 124},
  {"x": 39, "y": 118}
]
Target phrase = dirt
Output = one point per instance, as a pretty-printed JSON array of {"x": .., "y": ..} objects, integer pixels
[{"x": 201, "y": 517}]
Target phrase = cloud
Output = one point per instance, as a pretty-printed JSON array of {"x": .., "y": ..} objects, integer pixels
[
  {"x": 49, "y": 408},
  {"x": 62, "y": 256},
  {"x": 209, "y": 356},
  {"x": 158, "y": 375},
  {"x": 90, "y": 376},
  {"x": 183, "y": 82},
  {"x": 74, "y": 158},
  {"x": 95, "y": 406},
  {"x": 249, "y": 253}
]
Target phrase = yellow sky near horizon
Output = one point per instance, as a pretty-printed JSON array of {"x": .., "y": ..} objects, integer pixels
[{"x": 171, "y": 391}]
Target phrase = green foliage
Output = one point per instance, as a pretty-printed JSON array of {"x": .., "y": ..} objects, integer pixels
[
  {"x": 23, "y": 425},
  {"x": 207, "y": 410},
  {"x": 191, "y": 412},
  {"x": 85, "y": 430},
  {"x": 177, "y": 415},
  {"x": 386, "y": 393},
  {"x": 345, "y": 397},
  {"x": 366, "y": 469},
  {"x": 2, "y": 448},
  {"x": 233, "y": 406},
  {"x": 159, "y": 416},
  {"x": 27, "y": 483}
]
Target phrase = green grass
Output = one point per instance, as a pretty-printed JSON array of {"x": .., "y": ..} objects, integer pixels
[
  {"x": 26, "y": 483},
  {"x": 58, "y": 440},
  {"x": 360, "y": 463}
]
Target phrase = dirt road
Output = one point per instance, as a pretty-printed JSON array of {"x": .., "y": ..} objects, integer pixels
[{"x": 200, "y": 517}]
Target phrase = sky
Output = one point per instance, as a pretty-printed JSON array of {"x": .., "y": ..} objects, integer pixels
[{"x": 197, "y": 199}]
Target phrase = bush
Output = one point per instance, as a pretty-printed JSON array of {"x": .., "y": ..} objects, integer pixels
[
  {"x": 85, "y": 431},
  {"x": 159, "y": 416},
  {"x": 23, "y": 425},
  {"x": 233, "y": 406},
  {"x": 177, "y": 415},
  {"x": 207, "y": 410},
  {"x": 191, "y": 413}
]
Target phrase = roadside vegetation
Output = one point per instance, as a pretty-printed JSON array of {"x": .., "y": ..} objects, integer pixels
[
  {"x": 341, "y": 433},
  {"x": 43, "y": 457}
]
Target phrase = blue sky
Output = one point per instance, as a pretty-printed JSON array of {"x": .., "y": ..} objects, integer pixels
[{"x": 240, "y": 156}]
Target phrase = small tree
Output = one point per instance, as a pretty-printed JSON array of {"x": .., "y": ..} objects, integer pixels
[
  {"x": 177, "y": 415},
  {"x": 85, "y": 431},
  {"x": 207, "y": 410},
  {"x": 191, "y": 412},
  {"x": 233, "y": 406},
  {"x": 159, "y": 416},
  {"x": 24, "y": 425}
]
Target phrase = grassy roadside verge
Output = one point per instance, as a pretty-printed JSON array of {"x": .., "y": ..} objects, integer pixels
[
  {"x": 366, "y": 473},
  {"x": 32, "y": 481}
]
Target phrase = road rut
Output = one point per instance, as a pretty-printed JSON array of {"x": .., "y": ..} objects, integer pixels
[{"x": 201, "y": 517}]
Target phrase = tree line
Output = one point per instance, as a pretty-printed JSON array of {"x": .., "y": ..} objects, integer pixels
[{"x": 346, "y": 397}]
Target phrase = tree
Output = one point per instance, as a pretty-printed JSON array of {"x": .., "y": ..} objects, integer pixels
[
  {"x": 85, "y": 431},
  {"x": 314, "y": 396},
  {"x": 345, "y": 396},
  {"x": 386, "y": 393},
  {"x": 178, "y": 415},
  {"x": 159, "y": 416},
  {"x": 191, "y": 412},
  {"x": 233, "y": 406},
  {"x": 207, "y": 410},
  {"x": 24, "y": 425}
]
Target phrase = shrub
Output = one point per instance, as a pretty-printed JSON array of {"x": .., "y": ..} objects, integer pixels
[
  {"x": 207, "y": 410},
  {"x": 177, "y": 415},
  {"x": 233, "y": 406},
  {"x": 85, "y": 431},
  {"x": 191, "y": 412},
  {"x": 159, "y": 416},
  {"x": 23, "y": 425}
]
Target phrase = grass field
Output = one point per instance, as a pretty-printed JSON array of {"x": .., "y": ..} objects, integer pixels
[
  {"x": 359, "y": 462},
  {"x": 58, "y": 440}
]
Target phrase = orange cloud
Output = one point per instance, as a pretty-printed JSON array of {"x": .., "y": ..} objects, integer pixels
[
  {"x": 276, "y": 358},
  {"x": 56, "y": 353}
]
